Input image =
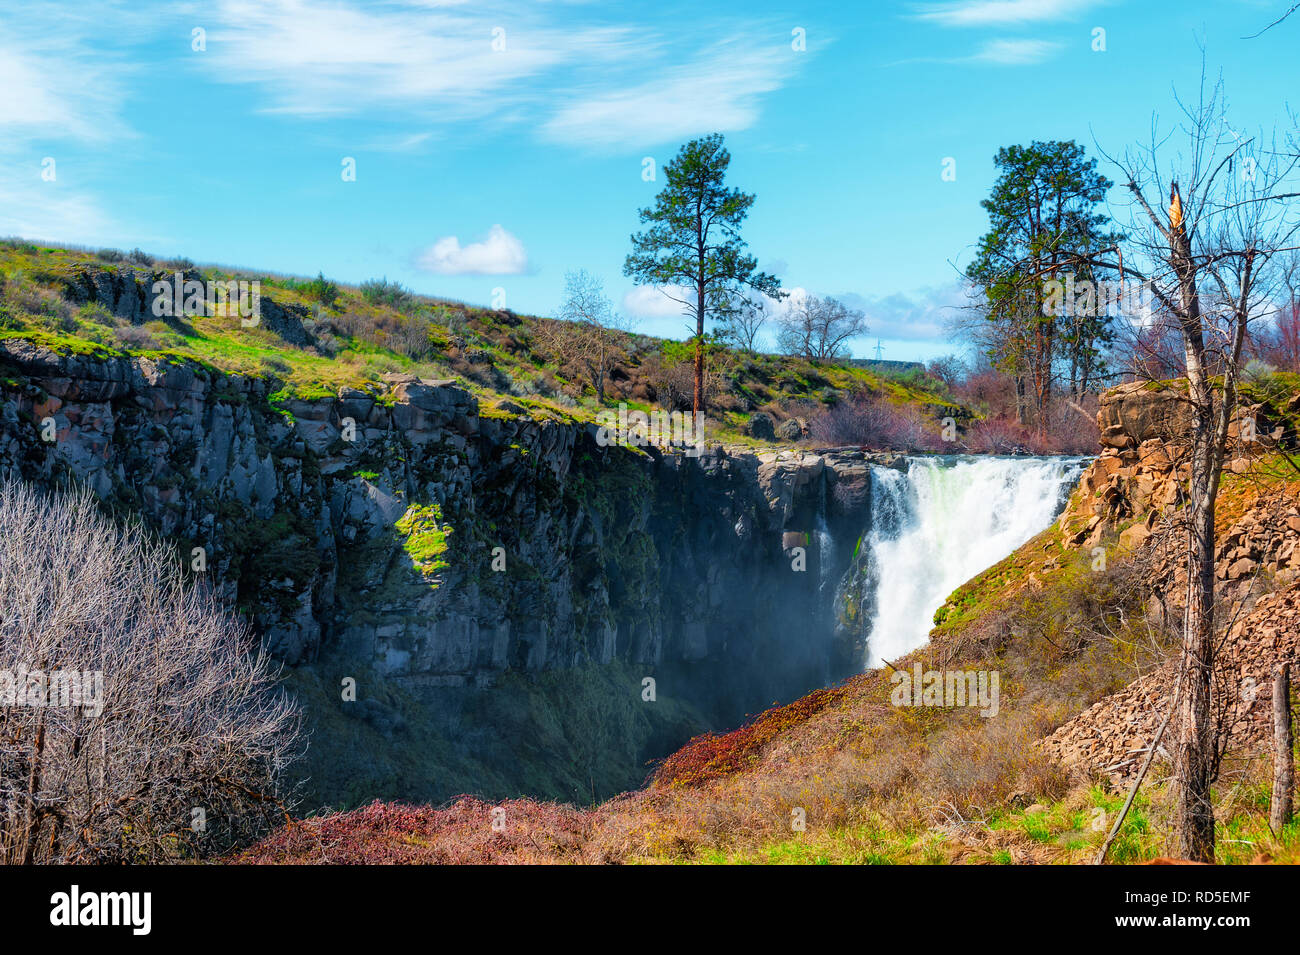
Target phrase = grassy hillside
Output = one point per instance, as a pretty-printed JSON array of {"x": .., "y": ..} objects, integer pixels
[{"x": 354, "y": 336}]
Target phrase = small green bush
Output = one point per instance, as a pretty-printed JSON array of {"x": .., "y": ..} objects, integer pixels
[
  {"x": 322, "y": 290},
  {"x": 383, "y": 292}
]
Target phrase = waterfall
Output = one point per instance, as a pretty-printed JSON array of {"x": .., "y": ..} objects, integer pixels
[{"x": 942, "y": 522}]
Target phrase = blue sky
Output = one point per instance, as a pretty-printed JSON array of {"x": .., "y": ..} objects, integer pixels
[{"x": 497, "y": 145}]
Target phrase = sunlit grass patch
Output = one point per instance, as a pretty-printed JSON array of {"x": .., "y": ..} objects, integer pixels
[{"x": 425, "y": 537}]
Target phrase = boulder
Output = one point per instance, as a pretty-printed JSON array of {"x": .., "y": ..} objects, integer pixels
[
  {"x": 1135, "y": 413},
  {"x": 761, "y": 426},
  {"x": 789, "y": 430}
]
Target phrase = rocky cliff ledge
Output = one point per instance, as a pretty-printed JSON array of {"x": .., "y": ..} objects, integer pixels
[
  {"x": 411, "y": 535},
  {"x": 1132, "y": 498}
]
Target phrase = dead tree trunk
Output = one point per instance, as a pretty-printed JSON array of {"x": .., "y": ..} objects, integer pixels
[
  {"x": 1194, "y": 750},
  {"x": 1283, "y": 752},
  {"x": 1216, "y": 245}
]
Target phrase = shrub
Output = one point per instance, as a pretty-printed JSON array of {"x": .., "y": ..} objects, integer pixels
[
  {"x": 869, "y": 420},
  {"x": 710, "y": 755},
  {"x": 997, "y": 436},
  {"x": 462, "y": 833},
  {"x": 275, "y": 365},
  {"x": 178, "y": 709},
  {"x": 136, "y": 338},
  {"x": 39, "y": 301},
  {"x": 321, "y": 290},
  {"x": 136, "y": 257},
  {"x": 384, "y": 292},
  {"x": 96, "y": 313},
  {"x": 1066, "y": 431}
]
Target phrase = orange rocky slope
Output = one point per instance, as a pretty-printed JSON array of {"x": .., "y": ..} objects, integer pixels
[{"x": 1135, "y": 487}]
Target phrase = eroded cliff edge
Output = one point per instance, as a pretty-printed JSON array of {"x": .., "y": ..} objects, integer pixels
[{"x": 497, "y": 583}]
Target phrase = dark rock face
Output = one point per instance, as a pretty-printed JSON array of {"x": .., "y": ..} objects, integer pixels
[
  {"x": 126, "y": 292},
  {"x": 402, "y": 533}
]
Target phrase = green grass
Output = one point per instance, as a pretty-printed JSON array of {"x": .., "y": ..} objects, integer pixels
[{"x": 425, "y": 537}]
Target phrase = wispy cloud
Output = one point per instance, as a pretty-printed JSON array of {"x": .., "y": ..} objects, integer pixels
[
  {"x": 37, "y": 209},
  {"x": 720, "y": 89},
  {"x": 417, "y": 63},
  {"x": 64, "y": 81},
  {"x": 1000, "y": 52},
  {"x": 651, "y": 301},
  {"x": 981, "y": 13},
  {"x": 1014, "y": 52},
  {"x": 922, "y": 315},
  {"x": 500, "y": 253},
  {"x": 318, "y": 58},
  {"x": 60, "y": 80}
]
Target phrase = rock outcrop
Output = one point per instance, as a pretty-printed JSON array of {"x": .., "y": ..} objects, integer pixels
[{"x": 1133, "y": 494}]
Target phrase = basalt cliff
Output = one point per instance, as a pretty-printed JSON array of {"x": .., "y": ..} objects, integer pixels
[{"x": 463, "y": 595}]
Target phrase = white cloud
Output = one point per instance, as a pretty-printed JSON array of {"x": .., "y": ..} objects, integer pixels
[
  {"x": 921, "y": 315},
  {"x": 977, "y": 13},
  {"x": 1014, "y": 52},
  {"x": 1001, "y": 52},
  {"x": 51, "y": 211},
  {"x": 59, "y": 80},
  {"x": 500, "y": 253},
  {"x": 317, "y": 58},
  {"x": 406, "y": 61},
  {"x": 652, "y": 301},
  {"x": 720, "y": 90}
]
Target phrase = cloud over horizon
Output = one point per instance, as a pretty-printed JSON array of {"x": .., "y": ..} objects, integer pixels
[
  {"x": 499, "y": 253},
  {"x": 920, "y": 315}
]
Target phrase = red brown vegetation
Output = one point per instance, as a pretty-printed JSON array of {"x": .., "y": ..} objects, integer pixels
[
  {"x": 710, "y": 755},
  {"x": 460, "y": 834}
]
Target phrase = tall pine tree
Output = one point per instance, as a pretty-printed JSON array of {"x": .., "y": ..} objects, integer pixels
[
  {"x": 1044, "y": 225},
  {"x": 692, "y": 241}
]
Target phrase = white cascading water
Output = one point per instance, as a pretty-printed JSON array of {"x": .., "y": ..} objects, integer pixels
[{"x": 941, "y": 523}]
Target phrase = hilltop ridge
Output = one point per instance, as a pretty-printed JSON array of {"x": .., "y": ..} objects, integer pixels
[{"x": 314, "y": 337}]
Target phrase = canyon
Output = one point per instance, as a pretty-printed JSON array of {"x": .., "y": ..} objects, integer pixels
[{"x": 474, "y": 596}]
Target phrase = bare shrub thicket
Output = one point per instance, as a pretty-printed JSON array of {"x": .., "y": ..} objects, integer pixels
[
  {"x": 1065, "y": 427},
  {"x": 589, "y": 337},
  {"x": 182, "y": 750},
  {"x": 873, "y": 421}
]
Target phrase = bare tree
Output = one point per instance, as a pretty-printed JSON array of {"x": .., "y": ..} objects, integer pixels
[
  {"x": 1208, "y": 256},
  {"x": 819, "y": 328},
  {"x": 138, "y": 721},
  {"x": 746, "y": 320},
  {"x": 1280, "y": 344},
  {"x": 949, "y": 369},
  {"x": 588, "y": 337}
]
